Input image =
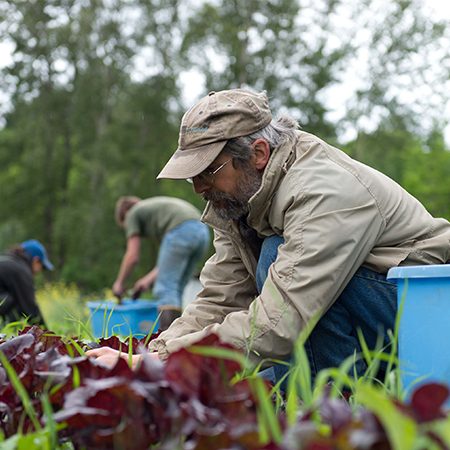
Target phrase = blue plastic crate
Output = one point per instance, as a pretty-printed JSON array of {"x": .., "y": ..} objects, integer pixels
[
  {"x": 425, "y": 323},
  {"x": 136, "y": 317}
]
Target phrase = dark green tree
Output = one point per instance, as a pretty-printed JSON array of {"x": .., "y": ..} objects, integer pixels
[
  {"x": 81, "y": 131},
  {"x": 281, "y": 46}
]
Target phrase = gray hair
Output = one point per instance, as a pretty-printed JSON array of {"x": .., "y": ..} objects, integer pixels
[{"x": 275, "y": 134}]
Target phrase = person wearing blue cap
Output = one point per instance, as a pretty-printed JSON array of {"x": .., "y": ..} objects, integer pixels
[{"x": 17, "y": 269}]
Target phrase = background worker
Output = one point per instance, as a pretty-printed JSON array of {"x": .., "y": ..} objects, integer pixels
[
  {"x": 304, "y": 236},
  {"x": 17, "y": 268},
  {"x": 183, "y": 241}
]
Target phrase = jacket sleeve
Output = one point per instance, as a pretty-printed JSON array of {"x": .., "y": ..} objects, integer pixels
[
  {"x": 6, "y": 303},
  {"x": 327, "y": 238},
  {"x": 24, "y": 295},
  {"x": 227, "y": 288},
  {"x": 18, "y": 283}
]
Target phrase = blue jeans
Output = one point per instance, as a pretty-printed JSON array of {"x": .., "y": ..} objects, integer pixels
[
  {"x": 368, "y": 302},
  {"x": 181, "y": 249}
]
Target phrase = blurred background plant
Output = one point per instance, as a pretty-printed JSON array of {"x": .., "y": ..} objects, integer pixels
[{"x": 64, "y": 308}]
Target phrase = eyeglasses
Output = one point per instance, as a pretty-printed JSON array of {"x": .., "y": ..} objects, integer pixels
[{"x": 207, "y": 176}]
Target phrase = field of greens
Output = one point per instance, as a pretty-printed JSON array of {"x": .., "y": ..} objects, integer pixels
[{"x": 204, "y": 397}]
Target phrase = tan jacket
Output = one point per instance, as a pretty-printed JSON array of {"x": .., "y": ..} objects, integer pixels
[{"x": 335, "y": 214}]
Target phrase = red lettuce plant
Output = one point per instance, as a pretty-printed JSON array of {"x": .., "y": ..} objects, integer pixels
[{"x": 189, "y": 402}]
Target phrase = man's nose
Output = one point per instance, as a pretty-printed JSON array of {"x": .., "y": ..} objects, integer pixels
[{"x": 200, "y": 185}]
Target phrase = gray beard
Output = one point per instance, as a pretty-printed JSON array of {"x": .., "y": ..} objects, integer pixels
[{"x": 233, "y": 207}]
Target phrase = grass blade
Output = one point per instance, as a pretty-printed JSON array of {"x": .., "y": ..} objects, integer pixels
[
  {"x": 21, "y": 391},
  {"x": 400, "y": 429},
  {"x": 270, "y": 423}
]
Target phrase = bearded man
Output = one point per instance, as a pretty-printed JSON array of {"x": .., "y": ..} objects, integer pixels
[{"x": 304, "y": 237}]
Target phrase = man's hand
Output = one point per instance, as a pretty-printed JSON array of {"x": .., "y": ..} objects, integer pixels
[
  {"x": 106, "y": 355},
  {"x": 109, "y": 357},
  {"x": 141, "y": 285},
  {"x": 144, "y": 283},
  {"x": 118, "y": 289}
]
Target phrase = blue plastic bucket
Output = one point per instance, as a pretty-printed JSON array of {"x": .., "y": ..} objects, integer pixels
[
  {"x": 136, "y": 317},
  {"x": 425, "y": 323}
]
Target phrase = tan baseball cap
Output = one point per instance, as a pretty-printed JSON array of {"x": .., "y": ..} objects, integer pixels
[{"x": 209, "y": 124}]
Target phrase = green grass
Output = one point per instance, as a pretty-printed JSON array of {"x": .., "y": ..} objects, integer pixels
[{"x": 64, "y": 309}]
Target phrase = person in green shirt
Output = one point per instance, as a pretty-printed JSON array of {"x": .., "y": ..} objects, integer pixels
[{"x": 183, "y": 240}]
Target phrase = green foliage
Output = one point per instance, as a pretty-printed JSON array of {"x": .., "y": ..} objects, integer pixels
[
  {"x": 63, "y": 308},
  {"x": 419, "y": 166},
  {"x": 426, "y": 175}
]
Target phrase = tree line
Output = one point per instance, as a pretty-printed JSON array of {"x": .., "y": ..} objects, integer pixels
[{"x": 96, "y": 91}]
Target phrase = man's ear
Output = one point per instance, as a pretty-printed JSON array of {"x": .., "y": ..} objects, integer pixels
[{"x": 262, "y": 153}]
